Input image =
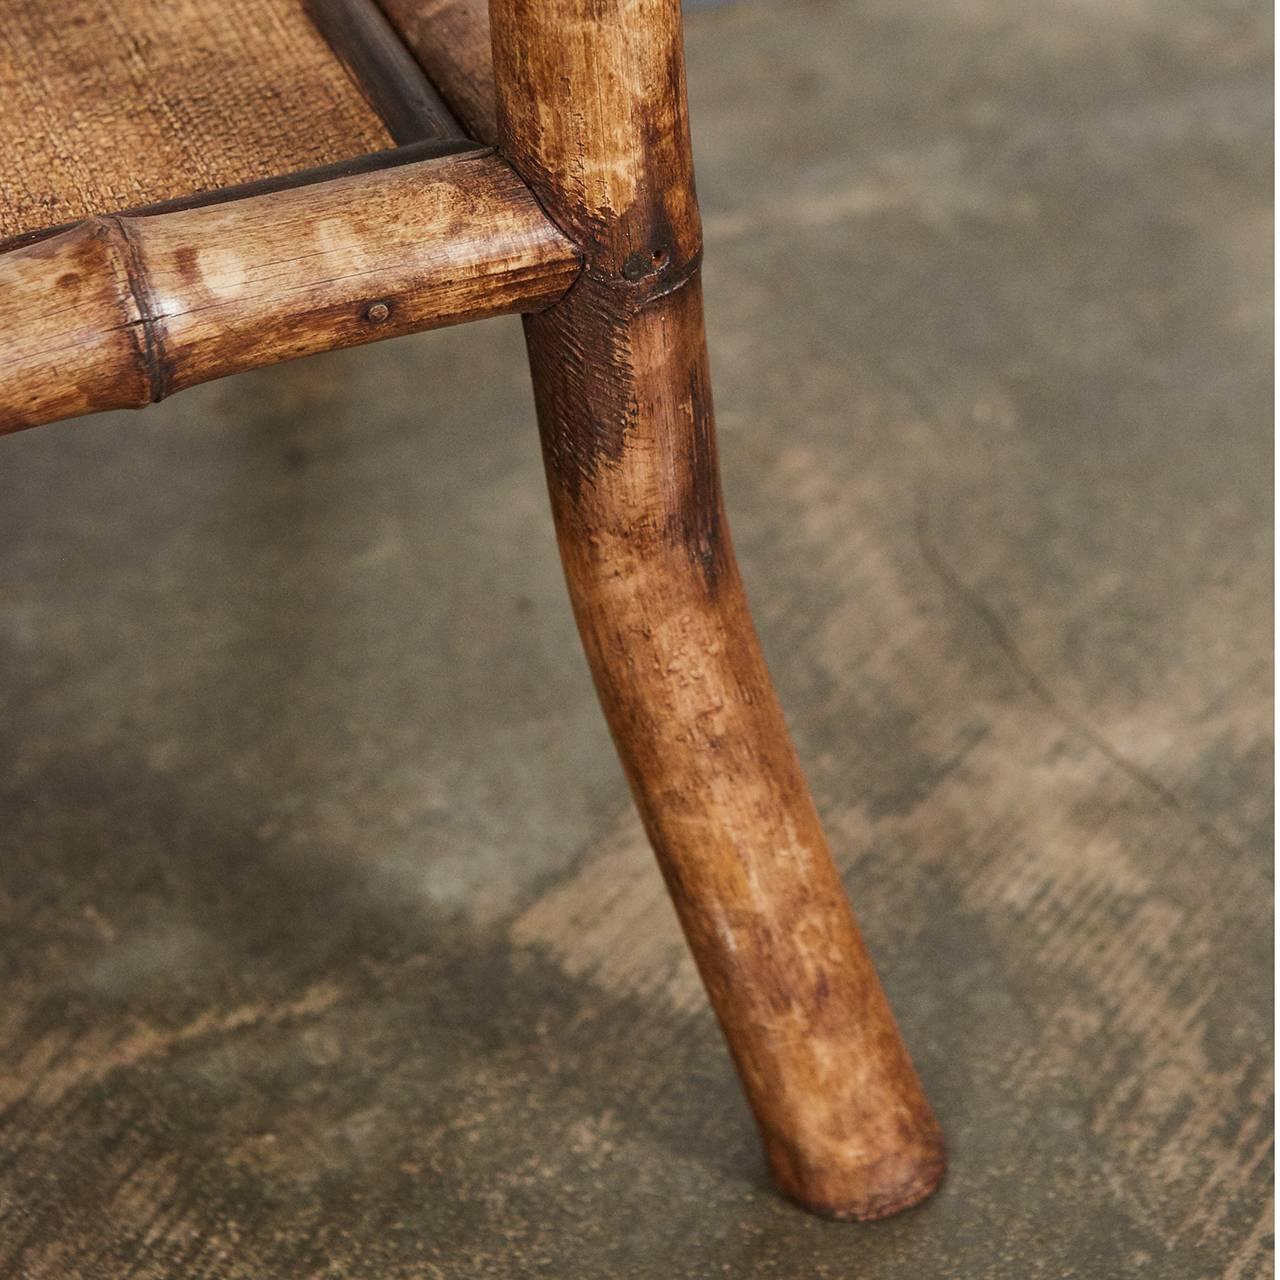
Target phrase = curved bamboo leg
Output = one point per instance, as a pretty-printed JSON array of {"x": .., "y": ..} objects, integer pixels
[{"x": 624, "y": 408}]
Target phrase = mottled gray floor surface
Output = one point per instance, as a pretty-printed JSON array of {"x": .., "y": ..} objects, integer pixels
[{"x": 331, "y": 946}]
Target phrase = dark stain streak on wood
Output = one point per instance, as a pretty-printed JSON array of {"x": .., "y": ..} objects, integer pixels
[
  {"x": 581, "y": 344},
  {"x": 187, "y": 262},
  {"x": 152, "y": 333},
  {"x": 700, "y": 508}
]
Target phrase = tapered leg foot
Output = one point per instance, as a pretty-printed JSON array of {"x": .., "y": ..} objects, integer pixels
[
  {"x": 592, "y": 114},
  {"x": 625, "y": 412}
]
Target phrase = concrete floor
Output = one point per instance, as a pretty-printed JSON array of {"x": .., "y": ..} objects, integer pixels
[{"x": 331, "y": 946}]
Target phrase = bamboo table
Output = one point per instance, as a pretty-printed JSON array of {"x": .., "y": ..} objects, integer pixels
[{"x": 540, "y": 167}]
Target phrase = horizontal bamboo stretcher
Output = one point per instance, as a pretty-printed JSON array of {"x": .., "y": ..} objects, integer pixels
[{"x": 120, "y": 311}]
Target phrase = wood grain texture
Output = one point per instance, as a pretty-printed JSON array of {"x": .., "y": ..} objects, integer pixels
[
  {"x": 450, "y": 39},
  {"x": 393, "y": 84},
  {"x": 592, "y": 112},
  {"x": 122, "y": 311},
  {"x": 109, "y": 106}
]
